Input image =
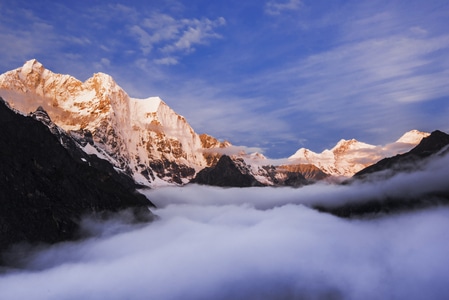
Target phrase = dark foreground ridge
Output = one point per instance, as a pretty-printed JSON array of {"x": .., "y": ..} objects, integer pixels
[
  {"x": 436, "y": 144},
  {"x": 45, "y": 188}
]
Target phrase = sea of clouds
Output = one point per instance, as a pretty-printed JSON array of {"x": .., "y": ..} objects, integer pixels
[{"x": 252, "y": 243}]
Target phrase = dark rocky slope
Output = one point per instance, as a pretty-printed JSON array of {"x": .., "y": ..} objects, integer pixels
[
  {"x": 234, "y": 172},
  {"x": 45, "y": 188},
  {"x": 225, "y": 173}
]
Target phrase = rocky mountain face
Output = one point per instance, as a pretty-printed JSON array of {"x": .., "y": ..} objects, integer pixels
[
  {"x": 143, "y": 137},
  {"x": 45, "y": 187},
  {"x": 309, "y": 171},
  {"x": 211, "y": 144}
]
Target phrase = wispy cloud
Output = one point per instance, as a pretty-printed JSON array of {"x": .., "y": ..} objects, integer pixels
[
  {"x": 234, "y": 150},
  {"x": 169, "y": 35},
  {"x": 25, "y": 40},
  {"x": 145, "y": 40},
  {"x": 276, "y": 7},
  {"x": 194, "y": 31},
  {"x": 377, "y": 67},
  {"x": 166, "y": 61}
]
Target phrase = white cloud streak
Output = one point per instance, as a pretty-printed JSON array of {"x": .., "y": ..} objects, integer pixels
[
  {"x": 166, "y": 61},
  {"x": 375, "y": 71},
  {"x": 234, "y": 150},
  {"x": 170, "y": 35},
  {"x": 277, "y": 7},
  {"x": 430, "y": 176},
  {"x": 145, "y": 39},
  {"x": 26, "y": 41}
]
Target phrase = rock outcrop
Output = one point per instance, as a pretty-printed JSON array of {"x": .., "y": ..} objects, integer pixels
[{"x": 226, "y": 173}]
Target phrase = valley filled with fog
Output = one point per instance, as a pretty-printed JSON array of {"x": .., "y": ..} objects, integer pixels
[
  {"x": 253, "y": 243},
  {"x": 239, "y": 252}
]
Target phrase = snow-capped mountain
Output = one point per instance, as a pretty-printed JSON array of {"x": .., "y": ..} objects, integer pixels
[
  {"x": 350, "y": 156},
  {"x": 412, "y": 137},
  {"x": 146, "y": 139},
  {"x": 143, "y": 137}
]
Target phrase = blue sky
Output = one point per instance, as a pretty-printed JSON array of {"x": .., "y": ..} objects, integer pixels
[{"x": 276, "y": 74}]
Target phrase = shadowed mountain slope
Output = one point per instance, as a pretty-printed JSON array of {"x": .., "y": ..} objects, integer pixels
[
  {"x": 226, "y": 173},
  {"x": 45, "y": 189}
]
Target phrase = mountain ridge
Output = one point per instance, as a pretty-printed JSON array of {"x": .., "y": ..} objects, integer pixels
[
  {"x": 147, "y": 140},
  {"x": 430, "y": 145},
  {"x": 132, "y": 134},
  {"x": 348, "y": 157},
  {"x": 431, "y": 154}
]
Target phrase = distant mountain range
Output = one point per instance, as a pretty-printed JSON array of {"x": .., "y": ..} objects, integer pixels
[
  {"x": 350, "y": 156},
  {"x": 147, "y": 140},
  {"x": 416, "y": 181}
]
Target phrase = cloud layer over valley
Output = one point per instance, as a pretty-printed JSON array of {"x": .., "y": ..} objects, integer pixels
[{"x": 255, "y": 243}]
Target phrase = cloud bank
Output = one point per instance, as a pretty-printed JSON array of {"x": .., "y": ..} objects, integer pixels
[
  {"x": 255, "y": 243},
  {"x": 237, "y": 252},
  {"x": 429, "y": 176}
]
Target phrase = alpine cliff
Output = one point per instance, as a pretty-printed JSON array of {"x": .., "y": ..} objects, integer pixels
[{"x": 143, "y": 137}]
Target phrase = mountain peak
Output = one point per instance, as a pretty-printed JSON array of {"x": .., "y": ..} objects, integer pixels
[
  {"x": 103, "y": 77},
  {"x": 412, "y": 137},
  {"x": 32, "y": 69},
  {"x": 32, "y": 64},
  {"x": 352, "y": 144},
  {"x": 102, "y": 83},
  {"x": 344, "y": 142}
]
